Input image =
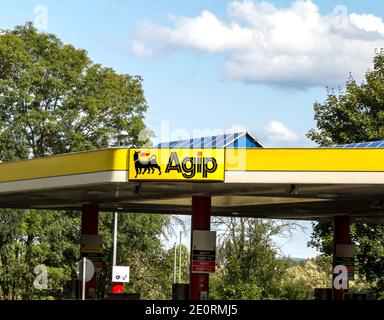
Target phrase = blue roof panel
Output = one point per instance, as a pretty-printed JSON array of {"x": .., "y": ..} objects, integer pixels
[
  {"x": 367, "y": 145},
  {"x": 233, "y": 140},
  {"x": 375, "y": 144},
  {"x": 351, "y": 145},
  {"x": 363, "y": 145}
]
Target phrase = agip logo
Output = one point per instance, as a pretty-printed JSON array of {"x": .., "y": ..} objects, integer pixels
[
  {"x": 176, "y": 164},
  {"x": 145, "y": 163}
]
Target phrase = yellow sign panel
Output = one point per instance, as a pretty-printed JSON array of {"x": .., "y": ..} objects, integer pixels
[
  {"x": 176, "y": 164},
  {"x": 91, "y": 243},
  {"x": 91, "y": 250}
]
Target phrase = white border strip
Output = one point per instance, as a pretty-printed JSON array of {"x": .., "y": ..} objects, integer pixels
[
  {"x": 312, "y": 177},
  {"x": 64, "y": 181}
]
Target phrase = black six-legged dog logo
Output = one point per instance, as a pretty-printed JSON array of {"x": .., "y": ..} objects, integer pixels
[{"x": 142, "y": 166}]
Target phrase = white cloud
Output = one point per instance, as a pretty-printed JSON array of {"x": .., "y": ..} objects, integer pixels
[
  {"x": 368, "y": 22},
  {"x": 295, "y": 46},
  {"x": 140, "y": 50},
  {"x": 277, "y": 132}
]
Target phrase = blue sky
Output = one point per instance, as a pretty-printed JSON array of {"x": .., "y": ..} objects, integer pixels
[{"x": 215, "y": 64}]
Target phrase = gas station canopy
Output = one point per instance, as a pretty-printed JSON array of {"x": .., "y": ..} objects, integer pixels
[{"x": 242, "y": 178}]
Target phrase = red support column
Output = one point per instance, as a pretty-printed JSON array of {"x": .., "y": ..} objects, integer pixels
[
  {"x": 341, "y": 235},
  {"x": 201, "y": 220},
  {"x": 89, "y": 225}
]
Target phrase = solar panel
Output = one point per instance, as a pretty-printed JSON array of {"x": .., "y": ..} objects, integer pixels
[
  {"x": 219, "y": 141},
  {"x": 375, "y": 144},
  {"x": 367, "y": 145},
  {"x": 181, "y": 144},
  {"x": 363, "y": 145},
  {"x": 339, "y": 146},
  {"x": 351, "y": 145},
  {"x": 208, "y": 142}
]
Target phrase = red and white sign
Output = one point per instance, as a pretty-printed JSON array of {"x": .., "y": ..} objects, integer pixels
[
  {"x": 203, "y": 266},
  {"x": 203, "y": 251}
]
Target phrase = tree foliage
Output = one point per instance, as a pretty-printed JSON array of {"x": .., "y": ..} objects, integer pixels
[
  {"x": 54, "y": 99},
  {"x": 300, "y": 280},
  {"x": 355, "y": 115},
  {"x": 29, "y": 238},
  {"x": 248, "y": 264}
]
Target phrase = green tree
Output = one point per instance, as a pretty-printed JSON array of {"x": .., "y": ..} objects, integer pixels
[
  {"x": 247, "y": 259},
  {"x": 54, "y": 99},
  {"x": 354, "y": 115},
  {"x": 29, "y": 238},
  {"x": 300, "y": 280}
]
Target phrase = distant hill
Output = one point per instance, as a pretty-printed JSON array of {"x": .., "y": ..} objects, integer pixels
[{"x": 295, "y": 260}]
